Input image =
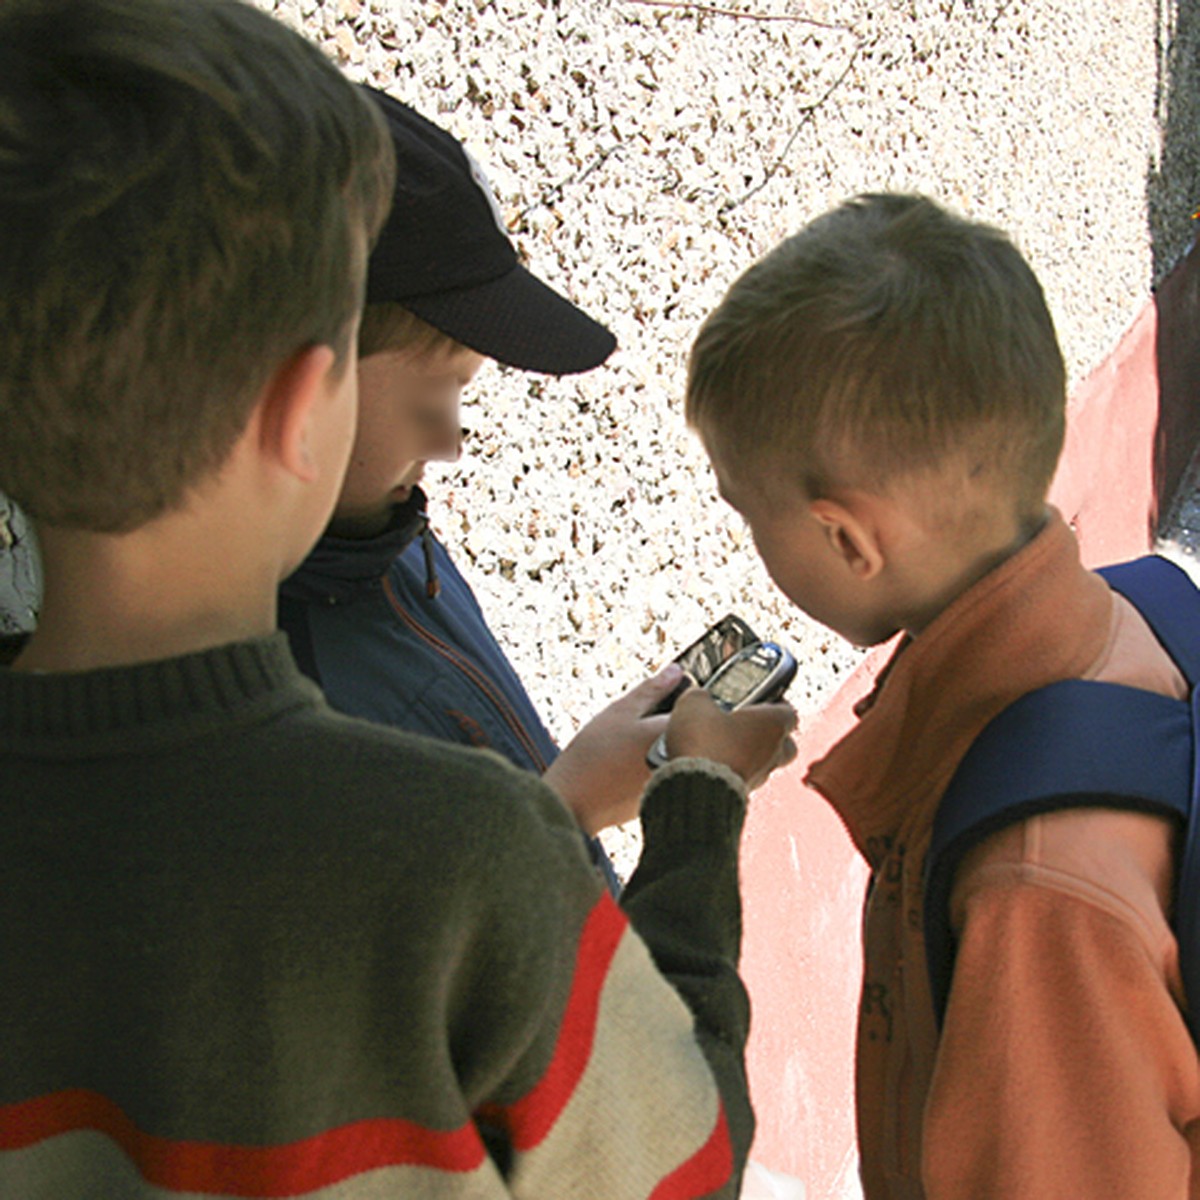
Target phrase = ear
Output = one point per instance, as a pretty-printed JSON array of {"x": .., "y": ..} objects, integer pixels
[
  {"x": 854, "y": 539},
  {"x": 287, "y": 405}
]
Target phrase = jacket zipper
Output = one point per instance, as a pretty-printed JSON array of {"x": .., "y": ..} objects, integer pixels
[{"x": 469, "y": 669}]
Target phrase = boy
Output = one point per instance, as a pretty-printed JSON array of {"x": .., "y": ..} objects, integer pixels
[
  {"x": 378, "y": 614},
  {"x": 251, "y": 946},
  {"x": 882, "y": 398}
]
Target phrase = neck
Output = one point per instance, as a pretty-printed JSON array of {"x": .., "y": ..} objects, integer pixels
[
  {"x": 119, "y": 599},
  {"x": 951, "y": 574}
]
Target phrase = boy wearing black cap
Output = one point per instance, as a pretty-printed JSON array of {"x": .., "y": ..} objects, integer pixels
[{"x": 378, "y": 614}]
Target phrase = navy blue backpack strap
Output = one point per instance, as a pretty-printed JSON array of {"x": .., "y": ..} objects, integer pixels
[
  {"x": 1170, "y": 602},
  {"x": 1077, "y": 743}
]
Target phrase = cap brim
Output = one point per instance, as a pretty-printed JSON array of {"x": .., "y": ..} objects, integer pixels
[{"x": 518, "y": 320}]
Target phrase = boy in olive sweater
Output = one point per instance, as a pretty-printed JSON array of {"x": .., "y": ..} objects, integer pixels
[{"x": 251, "y": 947}]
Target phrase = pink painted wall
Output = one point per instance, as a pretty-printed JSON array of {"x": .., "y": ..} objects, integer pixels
[
  {"x": 1105, "y": 484},
  {"x": 804, "y": 882}
]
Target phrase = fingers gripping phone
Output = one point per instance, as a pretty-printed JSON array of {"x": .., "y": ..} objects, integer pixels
[{"x": 755, "y": 674}]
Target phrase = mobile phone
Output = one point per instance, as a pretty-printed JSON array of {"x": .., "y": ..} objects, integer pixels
[
  {"x": 756, "y": 674},
  {"x": 715, "y": 646}
]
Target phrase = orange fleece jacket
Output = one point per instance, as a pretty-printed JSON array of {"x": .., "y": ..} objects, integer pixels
[{"x": 1065, "y": 1069}]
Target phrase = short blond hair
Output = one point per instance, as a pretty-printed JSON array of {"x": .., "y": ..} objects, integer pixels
[
  {"x": 884, "y": 338},
  {"x": 392, "y": 328}
]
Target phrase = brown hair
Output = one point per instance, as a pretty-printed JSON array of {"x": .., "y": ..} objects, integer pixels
[
  {"x": 391, "y": 327},
  {"x": 186, "y": 194},
  {"x": 885, "y": 337}
]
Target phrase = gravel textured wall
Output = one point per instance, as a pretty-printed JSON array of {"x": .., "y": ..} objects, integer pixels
[{"x": 645, "y": 152}]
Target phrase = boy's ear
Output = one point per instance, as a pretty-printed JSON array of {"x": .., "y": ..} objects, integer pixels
[
  {"x": 854, "y": 539},
  {"x": 287, "y": 405}
]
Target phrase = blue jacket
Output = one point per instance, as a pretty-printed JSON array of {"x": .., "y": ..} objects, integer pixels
[{"x": 393, "y": 633}]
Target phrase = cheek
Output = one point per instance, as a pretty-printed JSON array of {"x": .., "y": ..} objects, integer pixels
[
  {"x": 771, "y": 557},
  {"x": 375, "y": 444},
  {"x": 360, "y": 457},
  {"x": 366, "y": 472},
  {"x": 343, "y": 437},
  {"x": 791, "y": 586},
  {"x": 792, "y": 576}
]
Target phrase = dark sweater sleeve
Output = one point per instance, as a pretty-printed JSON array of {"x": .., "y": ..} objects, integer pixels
[{"x": 685, "y": 902}]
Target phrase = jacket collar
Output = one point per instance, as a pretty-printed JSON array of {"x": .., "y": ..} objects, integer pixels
[
  {"x": 338, "y": 568},
  {"x": 1038, "y": 617}
]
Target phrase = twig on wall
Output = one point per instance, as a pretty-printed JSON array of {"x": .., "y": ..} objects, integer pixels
[
  {"x": 807, "y": 113},
  {"x": 554, "y": 193},
  {"x": 711, "y": 11}
]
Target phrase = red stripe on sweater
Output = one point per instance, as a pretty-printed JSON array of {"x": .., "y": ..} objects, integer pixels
[
  {"x": 708, "y": 1169},
  {"x": 531, "y": 1118},
  {"x": 255, "y": 1171}
]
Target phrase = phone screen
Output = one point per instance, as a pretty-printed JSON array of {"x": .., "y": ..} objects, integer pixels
[
  {"x": 736, "y": 683},
  {"x": 718, "y": 644}
]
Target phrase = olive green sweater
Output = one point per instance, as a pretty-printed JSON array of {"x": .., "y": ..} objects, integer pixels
[{"x": 250, "y": 947}]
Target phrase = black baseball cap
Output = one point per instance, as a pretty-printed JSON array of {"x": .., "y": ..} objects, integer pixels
[{"x": 445, "y": 255}]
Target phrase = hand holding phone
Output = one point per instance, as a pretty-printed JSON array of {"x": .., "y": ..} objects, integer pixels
[
  {"x": 756, "y": 674},
  {"x": 751, "y": 741},
  {"x": 601, "y": 773}
]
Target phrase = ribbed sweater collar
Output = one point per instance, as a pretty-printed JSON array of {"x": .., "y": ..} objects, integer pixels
[
  {"x": 73, "y": 713},
  {"x": 1037, "y": 618}
]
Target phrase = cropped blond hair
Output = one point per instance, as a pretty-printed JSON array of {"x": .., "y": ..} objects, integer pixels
[
  {"x": 885, "y": 337},
  {"x": 391, "y": 328}
]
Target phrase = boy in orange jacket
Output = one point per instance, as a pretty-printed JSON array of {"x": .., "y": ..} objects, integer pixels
[{"x": 882, "y": 398}]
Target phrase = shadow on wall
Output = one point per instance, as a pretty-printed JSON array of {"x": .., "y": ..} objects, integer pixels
[{"x": 1172, "y": 196}]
